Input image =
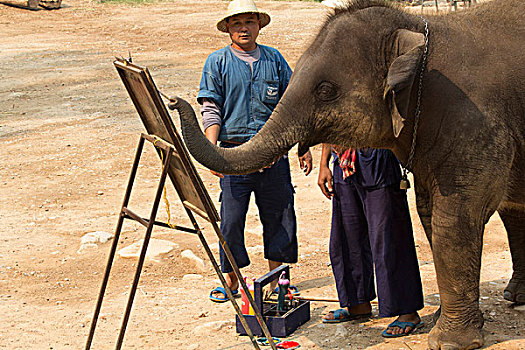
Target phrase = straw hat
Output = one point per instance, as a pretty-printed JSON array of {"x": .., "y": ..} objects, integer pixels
[{"x": 236, "y": 7}]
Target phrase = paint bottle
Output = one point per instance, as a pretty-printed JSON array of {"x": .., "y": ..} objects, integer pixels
[
  {"x": 246, "y": 308},
  {"x": 284, "y": 284}
]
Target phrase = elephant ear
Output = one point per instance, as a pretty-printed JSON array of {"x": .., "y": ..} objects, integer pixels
[{"x": 407, "y": 48}]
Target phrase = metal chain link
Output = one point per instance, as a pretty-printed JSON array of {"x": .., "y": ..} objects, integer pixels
[{"x": 418, "y": 105}]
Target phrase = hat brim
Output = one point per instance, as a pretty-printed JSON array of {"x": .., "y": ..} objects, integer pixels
[{"x": 263, "y": 17}]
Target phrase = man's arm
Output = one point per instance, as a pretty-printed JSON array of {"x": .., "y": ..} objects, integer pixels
[
  {"x": 211, "y": 124},
  {"x": 325, "y": 175},
  {"x": 212, "y": 133}
]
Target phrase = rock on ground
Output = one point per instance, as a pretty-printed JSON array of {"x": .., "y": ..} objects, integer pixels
[
  {"x": 194, "y": 261},
  {"x": 157, "y": 248}
]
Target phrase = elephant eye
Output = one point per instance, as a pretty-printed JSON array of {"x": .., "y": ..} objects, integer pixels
[{"x": 327, "y": 91}]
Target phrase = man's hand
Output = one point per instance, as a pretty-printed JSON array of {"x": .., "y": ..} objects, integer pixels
[
  {"x": 305, "y": 162},
  {"x": 325, "y": 181}
]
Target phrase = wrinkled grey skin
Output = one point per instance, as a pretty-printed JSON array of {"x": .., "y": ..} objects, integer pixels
[{"x": 357, "y": 86}]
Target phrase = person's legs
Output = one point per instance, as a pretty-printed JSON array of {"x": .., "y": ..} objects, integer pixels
[
  {"x": 273, "y": 265},
  {"x": 234, "y": 198},
  {"x": 274, "y": 196},
  {"x": 350, "y": 253},
  {"x": 398, "y": 281}
]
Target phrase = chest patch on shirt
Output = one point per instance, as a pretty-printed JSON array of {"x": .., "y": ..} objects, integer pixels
[{"x": 271, "y": 92}]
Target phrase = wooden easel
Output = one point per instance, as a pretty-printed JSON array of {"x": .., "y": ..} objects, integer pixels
[{"x": 176, "y": 164}]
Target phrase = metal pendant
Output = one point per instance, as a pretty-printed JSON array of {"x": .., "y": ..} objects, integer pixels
[{"x": 404, "y": 183}]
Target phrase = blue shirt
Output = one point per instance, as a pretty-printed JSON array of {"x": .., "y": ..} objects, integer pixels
[
  {"x": 246, "y": 99},
  {"x": 375, "y": 168}
]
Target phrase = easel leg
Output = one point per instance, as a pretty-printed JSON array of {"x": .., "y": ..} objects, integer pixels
[
  {"x": 144, "y": 249},
  {"x": 225, "y": 284},
  {"x": 115, "y": 242}
]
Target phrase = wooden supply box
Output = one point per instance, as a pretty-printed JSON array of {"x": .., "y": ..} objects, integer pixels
[{"x": 278, "y": 325}]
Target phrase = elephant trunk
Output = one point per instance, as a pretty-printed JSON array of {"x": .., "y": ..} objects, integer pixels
[{"x": 279, "y": 134}]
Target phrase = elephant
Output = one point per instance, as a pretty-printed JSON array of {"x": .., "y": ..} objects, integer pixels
[{"x": 445, "y": 93}]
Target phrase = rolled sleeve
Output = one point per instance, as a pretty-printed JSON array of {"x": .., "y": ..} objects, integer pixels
[
  {"x": 211, "y": 114},
  {"x": 211, "y": 86}
]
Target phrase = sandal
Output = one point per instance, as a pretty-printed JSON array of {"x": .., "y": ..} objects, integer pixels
[
  {"x": 222, "y": 291},
  {"x": 342, "y": 315},
  {"x": 403, "y": 326}
]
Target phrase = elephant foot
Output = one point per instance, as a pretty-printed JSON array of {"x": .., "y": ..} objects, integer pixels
[
  {"x": 436, "y": 315},
  {"x": 451, "y": 337},
  {"x": 515, "y": 291}
]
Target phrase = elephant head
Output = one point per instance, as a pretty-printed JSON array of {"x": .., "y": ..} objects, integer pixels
[{"x": 353, "y": 87}]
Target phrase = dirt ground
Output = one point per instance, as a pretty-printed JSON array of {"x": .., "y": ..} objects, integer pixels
[{"x": 68, "y": 133}]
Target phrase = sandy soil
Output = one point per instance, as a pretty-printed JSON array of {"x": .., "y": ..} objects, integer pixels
[{"x": 68, "y": 133}]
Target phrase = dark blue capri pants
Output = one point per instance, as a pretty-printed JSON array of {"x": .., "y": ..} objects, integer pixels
[
  {"x": 373, "y": 227},
  {"x": 274, "y": 197}
]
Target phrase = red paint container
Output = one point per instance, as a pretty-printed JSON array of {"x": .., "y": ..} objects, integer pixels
[{"x": 246, "y": 308}]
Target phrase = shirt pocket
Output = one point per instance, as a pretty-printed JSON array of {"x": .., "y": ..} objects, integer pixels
[{"x": 270, "y": 92}]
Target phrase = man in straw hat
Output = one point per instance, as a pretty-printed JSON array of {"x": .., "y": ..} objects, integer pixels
[{"x": 240, "y": 86}]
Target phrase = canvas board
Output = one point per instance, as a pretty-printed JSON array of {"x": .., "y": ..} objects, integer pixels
[{"x": 157, "y": 121}]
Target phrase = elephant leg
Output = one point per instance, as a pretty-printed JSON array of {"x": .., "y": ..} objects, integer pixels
[
  {"x": 457, "y": 235},
  {"x": 424, "y": 209},
  {"x": 514, "y": 222}
]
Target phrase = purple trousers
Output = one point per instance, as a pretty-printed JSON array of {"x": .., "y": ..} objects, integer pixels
[{"x": 373, "y": 227}]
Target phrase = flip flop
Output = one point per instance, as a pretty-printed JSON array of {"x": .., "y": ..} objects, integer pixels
[
  {"x": 293, "y": 289},
  {"x": 342, "y": 315},
  {"x": 223, "y": 292},
  {"x": 403, "y": 326}
]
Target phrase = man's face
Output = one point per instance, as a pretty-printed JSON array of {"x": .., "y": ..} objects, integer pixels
[{"x": 244, "y": 30}]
